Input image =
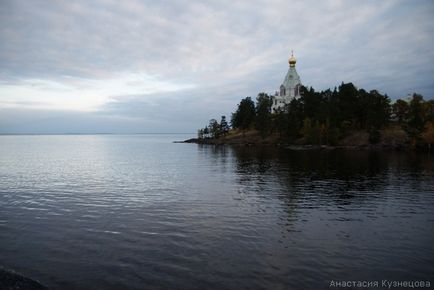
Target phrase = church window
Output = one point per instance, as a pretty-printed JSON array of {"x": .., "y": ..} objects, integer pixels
[
  {"x": 297, "y": 90},
  {"x": 282, "y": 90}
]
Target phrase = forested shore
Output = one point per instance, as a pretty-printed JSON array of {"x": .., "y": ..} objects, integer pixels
[{"x": 345, "y": 117}]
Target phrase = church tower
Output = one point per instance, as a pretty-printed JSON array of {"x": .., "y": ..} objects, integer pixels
[{"x": 289, "y": 89}]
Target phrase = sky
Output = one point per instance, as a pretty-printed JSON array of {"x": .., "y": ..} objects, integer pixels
[{"x": 108, "y": 66}]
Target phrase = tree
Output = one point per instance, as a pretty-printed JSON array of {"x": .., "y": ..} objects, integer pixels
[
  {"x": 295, "y": 117},
  {"x": 323, "y": 133},
  {"x": 347, "y": 103},
  {"x": 214, "y": 128},
  {"x": 313, "y": 104},
  {"x": 200, "y": 134},
  {"x": 378, "y": 110},
  {"x": 416, "y": 118},
  {"x": 310, "y": 131},
  {"x": 428, "y": 108},
  {"x": 327, "y": 116},
  {"x": 428, "y": 134},
  {"x": 401, "y": 110},
  {"x": 224, "y": 126},
  {"x": 280, "y": 120},
  {"x": 244, "y": 117},
  {"x": 263, "y": 114},
  {"x": 206, "y": 132}
]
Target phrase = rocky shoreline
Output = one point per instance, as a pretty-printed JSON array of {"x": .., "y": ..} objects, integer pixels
[
  {"x": 393, "y": 139},
  {"x": 297, "y": 147},
  {"x": 10, "y": 280}
]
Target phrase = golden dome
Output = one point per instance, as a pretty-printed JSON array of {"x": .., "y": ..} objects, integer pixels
[{"x": 292, "y": 60}]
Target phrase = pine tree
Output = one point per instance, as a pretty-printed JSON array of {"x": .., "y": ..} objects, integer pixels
[
  {"x": 263, "y": 114},
  {"x": 224, "y": 126}
]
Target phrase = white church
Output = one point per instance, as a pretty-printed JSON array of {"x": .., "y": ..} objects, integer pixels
[{"x": 290, "y": 88}]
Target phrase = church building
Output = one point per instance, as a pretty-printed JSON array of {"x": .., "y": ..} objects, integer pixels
[{"x": 290, "y": 88}]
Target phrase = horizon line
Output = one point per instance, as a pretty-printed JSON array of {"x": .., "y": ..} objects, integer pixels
[{"x": 75, "y": 133}]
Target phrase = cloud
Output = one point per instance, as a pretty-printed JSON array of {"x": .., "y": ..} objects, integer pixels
[
  {"x": 193, "y": 60},
  {"x": 81, "y": 94}
]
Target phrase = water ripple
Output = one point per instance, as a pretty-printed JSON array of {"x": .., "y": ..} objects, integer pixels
[{"x": 104, "y": 212}]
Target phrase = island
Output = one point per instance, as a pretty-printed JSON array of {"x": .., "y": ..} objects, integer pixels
[{"x": 299, "y": 117}]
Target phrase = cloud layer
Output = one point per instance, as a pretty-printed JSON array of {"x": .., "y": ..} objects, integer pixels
[{"x": 147, "y": 66}]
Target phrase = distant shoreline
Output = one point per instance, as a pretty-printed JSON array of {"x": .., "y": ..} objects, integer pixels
[{"x": 54, "y": 134}]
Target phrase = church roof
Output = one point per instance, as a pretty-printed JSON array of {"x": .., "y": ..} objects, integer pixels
[{"x": 292, "y": 78}]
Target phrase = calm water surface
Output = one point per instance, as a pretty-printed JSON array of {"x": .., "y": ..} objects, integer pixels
[{"x": 140, "y": 212}]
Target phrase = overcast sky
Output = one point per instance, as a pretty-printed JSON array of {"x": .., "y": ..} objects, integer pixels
[{"x": 170, "y": 66}]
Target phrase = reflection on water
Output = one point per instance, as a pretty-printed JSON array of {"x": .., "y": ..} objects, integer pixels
[{"x": 111, "y": 212}]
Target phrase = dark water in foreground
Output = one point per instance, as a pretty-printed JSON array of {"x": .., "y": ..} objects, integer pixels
[{"x": 139, "y": 212}]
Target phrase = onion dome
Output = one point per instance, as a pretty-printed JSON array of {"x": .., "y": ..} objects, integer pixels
[{"x": 292, "y": 61}]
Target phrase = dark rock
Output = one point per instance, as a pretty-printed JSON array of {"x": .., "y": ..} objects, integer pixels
[
  {"x": 10, "y": 280},
  {"x": 192, "y": 140}
]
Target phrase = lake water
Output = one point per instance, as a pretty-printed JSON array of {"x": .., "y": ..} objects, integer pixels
[{"x": 141, "y": 212}]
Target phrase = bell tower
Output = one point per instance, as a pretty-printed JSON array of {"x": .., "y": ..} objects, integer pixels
[{"x": 289, "y": 89}]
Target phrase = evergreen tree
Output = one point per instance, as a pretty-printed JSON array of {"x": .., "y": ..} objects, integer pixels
[
  {"x": 378, "y": 110},
  {"x": 401, "y": 111},
  {"x": 263, "y": 114},
  {"x": 214, "y": 128},
  {"x": 281, "y": 123},
  {"x": 206, "y": 132},
  {"x": 416, "y": 119},
  {"x": 347, "y": 104},
  {"x": 307, "y": 131},
  {"x": 244, "y": 117},
  {"x": 224, "y": 126},
  {"x": 294, "y": 119}
]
